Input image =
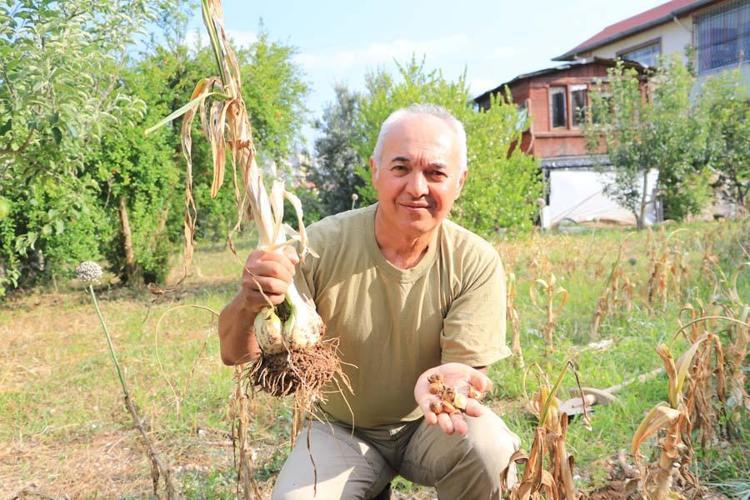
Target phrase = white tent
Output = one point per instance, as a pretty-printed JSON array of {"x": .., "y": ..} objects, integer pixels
[{"x": 577, "y": 194}]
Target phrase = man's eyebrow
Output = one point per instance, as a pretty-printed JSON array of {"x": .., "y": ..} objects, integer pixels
[{"x": 400, "y": 159}]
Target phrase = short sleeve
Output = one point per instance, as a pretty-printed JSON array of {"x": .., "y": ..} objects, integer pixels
[
  {"x": 474, "y": 326},
  {"x": 303, "y": 278}
]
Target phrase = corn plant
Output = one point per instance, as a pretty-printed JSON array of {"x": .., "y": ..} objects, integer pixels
[
  {"x": 667, "y": 269},
  {"x": 617, "y": 294},
  {"x": 514, "y": 319},
  {"x": 555, "y": 298},
  {"x": 671, "y": 420},
  {"x": 548, "y": 467},
  {"x": 697, "y": 390}
]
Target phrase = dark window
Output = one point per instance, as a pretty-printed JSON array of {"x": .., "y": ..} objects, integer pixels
[
  {"x": 558, "y": 108},
  {"x": 723, "y": 36},
  {"x": 647, "y": 55},
  {"x": 578, "y": 103}
]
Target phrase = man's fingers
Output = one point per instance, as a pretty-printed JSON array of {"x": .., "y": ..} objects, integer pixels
[
  {"x": 272, "y": 269},
  {"x": 269, "y": 286},
  {"x": 474, "y": 408},
  {"x": 263, "y": 299},
  {"x": 445, "y": 422},
  {"x": 480, "y": 381},
  {"x": 459, "y": 423},
  {"x": 429, "y": 415},
  {"x": 291, "y": 253}
]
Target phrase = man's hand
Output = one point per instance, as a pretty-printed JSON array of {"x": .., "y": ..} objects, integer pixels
[
  {"x": 461, "y": 377},
  {"x": 267, "y": 275}
]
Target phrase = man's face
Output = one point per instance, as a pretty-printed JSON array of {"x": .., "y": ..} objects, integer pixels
[{"x": 418, "y": 178}]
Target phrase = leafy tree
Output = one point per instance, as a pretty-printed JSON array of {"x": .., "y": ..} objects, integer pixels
[
  {"x": 650, "y": 127},
  {"x": 333, "y": 173},
  {"x": 725, "y": 112},
  {"x": 60, "y": 90},
  {"x": 503, "y": 183}
]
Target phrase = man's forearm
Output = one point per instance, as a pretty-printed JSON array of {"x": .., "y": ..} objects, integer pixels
[{"x": 238, "y": 344}]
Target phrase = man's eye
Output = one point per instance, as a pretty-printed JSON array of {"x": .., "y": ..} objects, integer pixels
[
  {"x": 399, "y": 168},
  {"x": 437, "y": 174}
]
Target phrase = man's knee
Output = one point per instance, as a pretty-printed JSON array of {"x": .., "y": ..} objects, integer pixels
[{"x": 489, "y": 445}]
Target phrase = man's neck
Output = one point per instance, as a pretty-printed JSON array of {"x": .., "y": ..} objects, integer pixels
[{"x": 404, "y": 251}]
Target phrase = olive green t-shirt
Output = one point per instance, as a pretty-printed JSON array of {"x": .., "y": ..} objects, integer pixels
[{"x": 393, "y": 324}]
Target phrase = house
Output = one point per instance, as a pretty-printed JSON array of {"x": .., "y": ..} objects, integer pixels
[
  {"x": 716, "y": 31},
  {"x": 556, "y": 100}
]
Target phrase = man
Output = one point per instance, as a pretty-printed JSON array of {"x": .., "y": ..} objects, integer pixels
[{"x": 408, "y": 294}]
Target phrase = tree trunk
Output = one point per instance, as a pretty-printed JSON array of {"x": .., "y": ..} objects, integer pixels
[
  {"x": 641, "y": 217},
  {"x": 127, "y": 240}
]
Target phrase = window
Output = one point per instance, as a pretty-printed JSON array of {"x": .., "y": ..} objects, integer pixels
[
  {"x": 558, "y": 107},
  {"x": 723, "y": 36},
  {"x": 647, "y": 54},
  {"x": 578, "y": 104}
]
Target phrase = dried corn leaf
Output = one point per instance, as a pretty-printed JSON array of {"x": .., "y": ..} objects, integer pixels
[{"x": 658, "y": 418}]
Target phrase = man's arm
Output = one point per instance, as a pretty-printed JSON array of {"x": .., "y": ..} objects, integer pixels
[
  {"x": 236, "y": 334},
  {"x": 265, "y": 279}
]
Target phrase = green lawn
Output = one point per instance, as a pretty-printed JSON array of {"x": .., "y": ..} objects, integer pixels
[{"x": 64, "y": 429}]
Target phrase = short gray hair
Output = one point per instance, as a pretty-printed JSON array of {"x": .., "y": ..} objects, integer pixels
[{"x": 423, "y": 109}]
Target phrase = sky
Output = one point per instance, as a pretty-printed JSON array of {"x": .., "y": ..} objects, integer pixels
[{"x": 339, "y": 42}]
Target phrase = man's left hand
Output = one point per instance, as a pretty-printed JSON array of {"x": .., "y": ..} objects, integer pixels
[{"x": 460, "y": 377}]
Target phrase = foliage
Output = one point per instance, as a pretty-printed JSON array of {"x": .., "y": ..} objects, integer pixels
[
  {"x": 643, "y": 128},
  {"x": 138, "y": 172},
  {"x": 723, "y": 107},
  {"x": 333, "y": 172},
  {"x": 59, "y": 65},
  {"x": 503, "y": 184},
  {"x": 80, "y": 83}
]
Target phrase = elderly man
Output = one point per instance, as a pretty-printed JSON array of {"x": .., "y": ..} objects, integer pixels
[{"x": 408, "y": 294}]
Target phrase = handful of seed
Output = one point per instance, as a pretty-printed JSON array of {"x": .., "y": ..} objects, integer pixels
[{"x": 450, "y": 400}]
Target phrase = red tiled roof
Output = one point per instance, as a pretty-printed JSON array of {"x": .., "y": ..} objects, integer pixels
[{"x": 634, "y": 24}]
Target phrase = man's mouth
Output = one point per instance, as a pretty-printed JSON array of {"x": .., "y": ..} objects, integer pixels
[{"x": 415, "y": 206}]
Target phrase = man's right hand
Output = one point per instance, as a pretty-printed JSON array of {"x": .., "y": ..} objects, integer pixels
[{"x": 269, "y": 272}]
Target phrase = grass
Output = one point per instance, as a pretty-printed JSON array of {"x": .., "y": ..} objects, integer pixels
[{"x": 64, "y": 429}]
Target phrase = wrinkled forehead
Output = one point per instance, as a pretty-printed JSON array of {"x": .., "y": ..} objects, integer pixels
[{"x": 421, "y": 137}]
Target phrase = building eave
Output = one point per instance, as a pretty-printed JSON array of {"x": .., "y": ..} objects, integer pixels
[{"x": 677, "y": 13}]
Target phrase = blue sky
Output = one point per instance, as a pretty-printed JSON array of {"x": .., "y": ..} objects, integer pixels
[{"x": 339, "y": 41}]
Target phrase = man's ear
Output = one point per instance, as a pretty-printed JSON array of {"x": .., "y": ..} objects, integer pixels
[
  {"x": 373, "y": 168},
  {"x": 462, "y": 181}
]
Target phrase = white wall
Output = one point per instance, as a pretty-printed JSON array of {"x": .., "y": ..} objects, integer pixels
[
  {"x": 674, "y": 38},
  {"x": 578, "y": 194}
]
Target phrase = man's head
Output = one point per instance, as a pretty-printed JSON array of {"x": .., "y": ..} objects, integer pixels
[{"x": 418, "y": 167}]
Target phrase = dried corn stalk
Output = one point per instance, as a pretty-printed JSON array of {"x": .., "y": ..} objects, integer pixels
[
  {"x": 514, "y": 319},
  {"x": 555, "y": 298},
  {"x": 548, "y": 471},
  {"x": 672, "y": 421}
]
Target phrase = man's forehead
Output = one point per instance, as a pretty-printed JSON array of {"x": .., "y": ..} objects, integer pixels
[{"x": 421, "y": 131}]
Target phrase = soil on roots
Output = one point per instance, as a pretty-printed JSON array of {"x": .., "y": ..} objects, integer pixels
[{"x": 299, "y": 370}]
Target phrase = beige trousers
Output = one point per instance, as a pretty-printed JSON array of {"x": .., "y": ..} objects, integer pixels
[{"x": 359, "y": 464}]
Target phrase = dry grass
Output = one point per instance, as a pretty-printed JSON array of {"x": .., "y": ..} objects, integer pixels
[{"x": 63, "y": 427}]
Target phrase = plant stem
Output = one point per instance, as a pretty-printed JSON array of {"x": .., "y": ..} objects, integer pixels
[
  {"x": 109, "y": 343},
  {"x": 157, "y": 465}
]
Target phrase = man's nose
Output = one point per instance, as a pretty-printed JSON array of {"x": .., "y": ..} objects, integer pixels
[{"x": 417, "y": 185}]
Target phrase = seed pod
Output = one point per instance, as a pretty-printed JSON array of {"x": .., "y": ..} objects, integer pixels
[
  {"x": 449, "y": 394},
  {"x": 460, "y": 401},
  {"x": 436, "y": 407},
  {"x": 436, "y": 388},
  {"x": 449, "y": 408}
]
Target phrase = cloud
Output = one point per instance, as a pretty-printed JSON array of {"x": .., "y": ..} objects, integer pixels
[
  {"x": 479, "y": 86},
  {"x": 239, "y": 38},
  {"x": 384, "y": 52}
]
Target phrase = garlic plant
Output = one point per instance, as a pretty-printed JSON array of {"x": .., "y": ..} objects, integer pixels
[{"x": 294, "y": 324}]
